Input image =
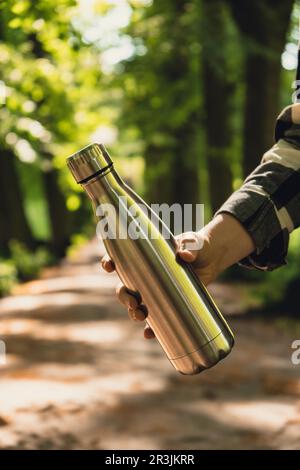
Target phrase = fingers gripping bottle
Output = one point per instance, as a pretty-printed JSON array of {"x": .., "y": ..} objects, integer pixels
[{"x": 183, "y": 316}]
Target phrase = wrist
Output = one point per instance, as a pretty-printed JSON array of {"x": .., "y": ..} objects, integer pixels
[{"x": 228, "y": 241}]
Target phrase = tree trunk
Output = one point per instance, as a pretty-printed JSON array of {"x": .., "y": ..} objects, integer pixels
[
  {"x": 13, "y": 222},
  {"x": 261, "y": 107},
  {"x": 264, "y": 24},
  {"x": 171, "y": 173},
  {"x": 217, "y": 97},
  {"x": 58, "y": 213}
]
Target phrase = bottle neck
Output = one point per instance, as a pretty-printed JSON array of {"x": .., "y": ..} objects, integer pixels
[
  {"x": 98, "y": 187},
  {"x": 89, "y": 162}
]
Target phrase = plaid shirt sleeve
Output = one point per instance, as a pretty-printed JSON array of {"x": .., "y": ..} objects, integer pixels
[{"x": 268, "y": 203}]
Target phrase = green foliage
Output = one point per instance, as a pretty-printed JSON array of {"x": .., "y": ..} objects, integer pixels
[
  {"x": 158, "y": 95},
  {"x": 58, "y": 93},
  {"x": 50, "y": 78},
  {"x": 28, "y": 264},
  {"x": 77, "y": 241},
  {"x": 273, "y": 290},
  {"x": 162, "y": 98},
  {"x": 8, "y": 276}
]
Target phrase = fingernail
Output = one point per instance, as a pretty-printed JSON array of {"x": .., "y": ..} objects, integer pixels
[
  {"x": 132, "y": 314},
  {"x": 132, "y": 303},
  {"x": 148, "y": 333}
]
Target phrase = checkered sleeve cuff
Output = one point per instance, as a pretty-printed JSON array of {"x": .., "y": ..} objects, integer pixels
[{"x": 268, "y": 206}]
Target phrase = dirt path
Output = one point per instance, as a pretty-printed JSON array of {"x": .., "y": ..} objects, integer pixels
[{"x": 80, "y": 375}]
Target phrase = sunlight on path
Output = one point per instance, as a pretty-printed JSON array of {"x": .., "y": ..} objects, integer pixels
[{"x": 80, "y": 375}]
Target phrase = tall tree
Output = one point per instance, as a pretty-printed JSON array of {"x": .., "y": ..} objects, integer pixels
[
  {"x": 264, "y": 24},
  {"x": 52, "y": 78},
  {"x": 59, "y": 215},
  {"x": 218, "y": 93},
  {"x": 162, "y": 98},
  {"x": 13, "y": 222}
]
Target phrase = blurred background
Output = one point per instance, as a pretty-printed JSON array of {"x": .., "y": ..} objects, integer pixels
[{"x": 184, "y": 94}]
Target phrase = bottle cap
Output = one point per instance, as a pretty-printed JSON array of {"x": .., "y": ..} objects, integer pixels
[{"x": 89, "y": 162}]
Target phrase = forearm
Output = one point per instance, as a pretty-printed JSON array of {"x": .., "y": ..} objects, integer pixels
[
  {"x": 228, "y": 240},
  {"x": 268, "y": 205}
]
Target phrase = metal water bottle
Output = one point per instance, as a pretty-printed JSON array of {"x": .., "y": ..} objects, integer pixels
[{"x": 183, "y": 316}]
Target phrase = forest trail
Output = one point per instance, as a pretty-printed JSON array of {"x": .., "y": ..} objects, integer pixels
[{"x": 79, "y": 374}]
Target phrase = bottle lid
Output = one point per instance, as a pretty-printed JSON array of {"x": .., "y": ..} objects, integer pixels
[{"x": 89, "y": 162}]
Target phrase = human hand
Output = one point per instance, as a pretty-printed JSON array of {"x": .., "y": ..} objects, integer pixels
[{"x": 221, "y": 243}]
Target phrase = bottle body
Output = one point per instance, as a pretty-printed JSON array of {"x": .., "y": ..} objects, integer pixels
[{"x": 184, "y": 318}]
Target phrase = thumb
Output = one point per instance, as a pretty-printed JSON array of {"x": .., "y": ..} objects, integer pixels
[
  {"x": 188, "y": 246},
  {"x": 187, "y": 255}
]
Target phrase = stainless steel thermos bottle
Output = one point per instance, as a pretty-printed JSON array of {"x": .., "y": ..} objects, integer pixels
[{"x": 183, "y": 316}]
